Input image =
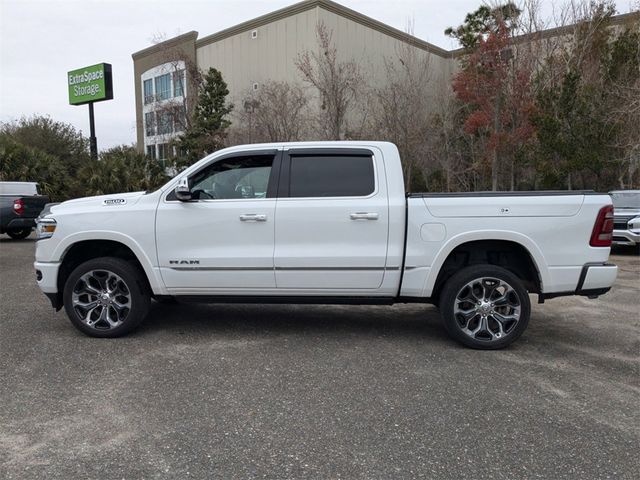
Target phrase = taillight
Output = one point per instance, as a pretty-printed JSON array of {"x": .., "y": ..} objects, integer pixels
[
  {"x": 603, "y": 228},
  {"x": 18, "y": 206}
]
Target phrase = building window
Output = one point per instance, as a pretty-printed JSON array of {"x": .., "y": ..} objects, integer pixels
[
  {"x": 178, "y": 83},
  {"x": 151, "y": 151},
  {"x": 148, "y": 91},
  {"x": 149, "y": 124},
  {"x": 163, "y": 87},
  {"x": 163, "y": 151},
  {"x": 254, "y": 34},
  {"x": 165, "y": 122}
]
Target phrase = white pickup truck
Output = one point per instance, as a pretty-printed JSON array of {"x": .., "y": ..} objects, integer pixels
[{"x": 322, "y": 222}]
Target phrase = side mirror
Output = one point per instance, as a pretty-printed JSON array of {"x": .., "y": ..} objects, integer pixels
[{"x": 182, "y": 190}]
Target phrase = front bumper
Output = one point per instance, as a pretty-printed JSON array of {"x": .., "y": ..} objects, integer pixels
[
  {"x": 47, "y": 276},
  {"x": 626, "y": 237}
]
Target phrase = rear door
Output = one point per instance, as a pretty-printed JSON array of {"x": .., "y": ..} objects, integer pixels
[{"x": 332, "y": 220}]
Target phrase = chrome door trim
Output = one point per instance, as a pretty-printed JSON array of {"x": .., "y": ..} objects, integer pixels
[{"x": 286, "y": 268}]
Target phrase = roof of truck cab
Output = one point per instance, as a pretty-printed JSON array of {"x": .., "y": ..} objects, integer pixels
[{"x": 324, "y": 143}]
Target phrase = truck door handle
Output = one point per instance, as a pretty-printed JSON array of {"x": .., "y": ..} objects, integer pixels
[
  {"x": 363, "y": 216},
  {"x": 252, "y": 217}
]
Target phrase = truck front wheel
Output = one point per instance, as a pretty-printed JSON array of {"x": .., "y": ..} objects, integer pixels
[
  {"x": 485, "y": 307},
  {"x": 106, "y": 297}
]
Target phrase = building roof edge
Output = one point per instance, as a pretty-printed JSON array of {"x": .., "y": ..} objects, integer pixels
[
  {"x": 331, "y": 7},
  {"x": 192, "y": 35}
]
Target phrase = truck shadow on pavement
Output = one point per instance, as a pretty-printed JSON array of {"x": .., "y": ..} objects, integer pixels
[{"x": 415, "y": 321}]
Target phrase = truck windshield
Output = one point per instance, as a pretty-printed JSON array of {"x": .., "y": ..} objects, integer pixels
[{"x": 626, "y": 199}]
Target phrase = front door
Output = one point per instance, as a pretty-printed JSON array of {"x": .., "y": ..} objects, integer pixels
[
  {"x": 332, "y": 221},
  {"x": 224, "y": 237}
]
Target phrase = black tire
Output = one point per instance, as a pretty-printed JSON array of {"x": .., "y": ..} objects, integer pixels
[
  {"x": 20, "y": 234},
  {"x": 460, "y": 292},
  {"x": 129, "y": 289}
]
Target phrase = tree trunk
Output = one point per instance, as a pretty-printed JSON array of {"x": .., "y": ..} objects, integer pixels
[
  {"x": 513, "y": 179},
  {"x": 448, "y": 170},
  {"x": 494, "y": 171},
  {"x": 496, "y": 131}
]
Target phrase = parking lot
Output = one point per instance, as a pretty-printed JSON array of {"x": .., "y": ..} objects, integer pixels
[{"x": 235, "y": 391}]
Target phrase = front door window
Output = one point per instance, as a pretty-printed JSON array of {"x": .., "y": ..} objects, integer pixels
[{"x": 235, "y": 178}]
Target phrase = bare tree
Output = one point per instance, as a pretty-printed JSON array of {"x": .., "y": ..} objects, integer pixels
[
  {"x": 625, "y": 110},
  {"x": 337, "y": 82},
  {"x": 448, "y": 147},
  {"x": 401, "y": 108},
  {"x": 277, "y": 112}
]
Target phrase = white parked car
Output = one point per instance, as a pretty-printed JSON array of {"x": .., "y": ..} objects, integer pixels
[
  {"x": 322, "y": 222},
  {"x": 626, "y": 217}
]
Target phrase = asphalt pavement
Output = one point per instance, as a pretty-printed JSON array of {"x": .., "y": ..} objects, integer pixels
[{"x": 326, "y": 392}]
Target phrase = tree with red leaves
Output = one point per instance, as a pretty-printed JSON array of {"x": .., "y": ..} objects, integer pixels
[{"x": 496, "y": 88}]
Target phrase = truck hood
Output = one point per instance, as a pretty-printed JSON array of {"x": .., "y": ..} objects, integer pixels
[{"x": 100, "y": 202}]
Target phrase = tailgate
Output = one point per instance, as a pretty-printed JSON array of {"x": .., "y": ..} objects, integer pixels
[{"x": 33, "y": 205}]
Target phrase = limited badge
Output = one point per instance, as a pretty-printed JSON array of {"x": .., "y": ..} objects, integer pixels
[{"x": 114, "y": 201}]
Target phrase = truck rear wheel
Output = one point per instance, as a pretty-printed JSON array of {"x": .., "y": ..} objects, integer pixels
[
  {"x": 106, "y": 297},
  {"x": 485, "y": 307},
  {"x": 19, "y": 234}
]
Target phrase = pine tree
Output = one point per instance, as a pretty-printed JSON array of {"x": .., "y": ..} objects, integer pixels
[
  {"x": 484, "y": 21},
  {"x": 207, "y": 130}
]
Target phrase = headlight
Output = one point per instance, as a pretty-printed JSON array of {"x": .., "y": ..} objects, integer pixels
[
  {"x": 634, "y": 224},
  {"x": 45, "y": 228}
]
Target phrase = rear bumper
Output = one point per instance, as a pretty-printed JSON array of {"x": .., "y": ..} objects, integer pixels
[
  {"x": 596, "y": 276},
  {"x": 595, "y": 279},
  {"x": 19, "y": 224},
  {"x": 625, "y": 237}
]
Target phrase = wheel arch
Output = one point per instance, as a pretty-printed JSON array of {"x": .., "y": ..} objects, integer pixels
[
  {"x": 515, "y": 252},
  {"x": 81, "y": 249}
]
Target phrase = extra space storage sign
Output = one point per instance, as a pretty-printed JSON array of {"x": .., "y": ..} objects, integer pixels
[{"x": 90, "y": 84}]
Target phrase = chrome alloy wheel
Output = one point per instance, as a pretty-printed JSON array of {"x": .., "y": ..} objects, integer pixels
[
  {"x": 101, "y": 299},
  {"x": 487, "y": 309}
]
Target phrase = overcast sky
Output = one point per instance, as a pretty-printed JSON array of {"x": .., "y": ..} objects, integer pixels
[{"x": 41, "y": 40}]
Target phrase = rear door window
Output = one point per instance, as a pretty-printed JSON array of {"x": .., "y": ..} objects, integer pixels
[{"x": 331, "y": 176}]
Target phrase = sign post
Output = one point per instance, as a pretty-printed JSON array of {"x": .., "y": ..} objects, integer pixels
[{"x": 89, "y": 85}]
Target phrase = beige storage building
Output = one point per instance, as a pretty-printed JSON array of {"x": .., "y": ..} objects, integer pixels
[
  {"x": 265, "y": 49},
  {"x": 257, "y": 51}
]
